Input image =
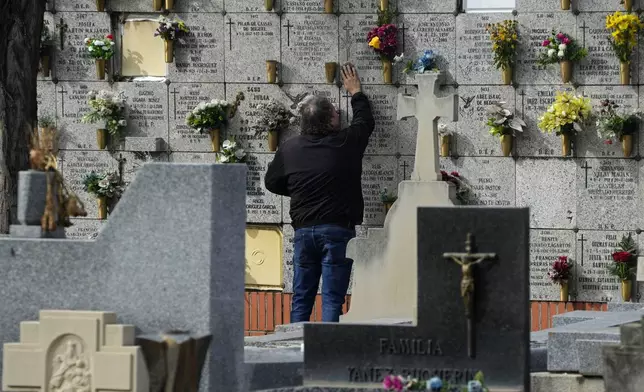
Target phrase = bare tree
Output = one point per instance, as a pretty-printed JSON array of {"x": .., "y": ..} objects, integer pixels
[{"x": 20, "y": 27}]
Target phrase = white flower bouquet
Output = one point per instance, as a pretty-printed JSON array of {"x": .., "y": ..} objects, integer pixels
[
  {"x": 208, "y": 116},
  {"x": 231, "y": 153},
  {"x": 109, "y": 107}
]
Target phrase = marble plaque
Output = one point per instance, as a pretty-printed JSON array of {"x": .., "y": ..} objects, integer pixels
[
  {"x": 541, "y": 6},
  {"x": 288, "y": 233},
  {"x": 72, "y": 60},
  {"x": 378, "y": 172},
  {"x": 76, "y": 5},
  {"x": 534, "y": 29},
  {"x": 589, "y": 142},
  {"x": 84, "y": 229},
  {"x": 424, "y": 6},
  {"x": 308, "y": 41},
  {"x": 248, "y": 64},
  {"x": 474, "y": 58},
  {"x": 201, "y": 6},
  {"x": 72, "y": 105},
  {"x": 46, "y": 99},
  {"x": 491, "y": 180},
  {"x": 193, "y": 157},
  {"x": 184, "y": 97},
  {"x": 417, "y": 34},
  {"x": 251, "y": 6},
  {"x": 531, "y": 103},
  {"x": 545, "y": 247},
  {"x": 405, "y": 165},
  {"x": 601, "y": 66},
  {"x": 604, "y": 5},
  {"x": 131, "y": 162},
  {"x": 473, "y": 135},
  {"x": 305, "y": 6},
  {"x": 262, "y": 206},
  {"x": 362, "y": 6},
  {"x": 607, "y": 194},
  {"x": 147, "y": 109},
  {"x": 594, "y": 254},
  {"x": 546, "y": 187}
]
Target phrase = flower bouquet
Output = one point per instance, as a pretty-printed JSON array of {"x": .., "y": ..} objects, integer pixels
[
  {"x": 434, "y": 384},
  {"x": 424, "y": 63},
  {"x": 560, "y": 273},
  {"x": 384, "y": 41},
  {"x": 505, "y": 37},
  {"x": 624, "y": 29},
  {"x": 388, "y": 199},
  {"x": 612, "y": 125},
  {"x": 231, "y": 153},
  {"x": 624, "y": 265},
  {"x": 210, "y": 117},
  {"x": 100, "y": 49},
  {"x": 444, "y": 136},
  {"x": 565, "y": 117},
  {"x": 105, "y": 187},
  {"x": 562, "y": 49},
  {"x": 109, "y": 107},
  {"x": 273, "y": 117},
  {"x": 503, "y": 124},
  {"x": 169, "y": 30},
  {"x": 46, "y": 43},
  {"x": 462, "y": 190}
]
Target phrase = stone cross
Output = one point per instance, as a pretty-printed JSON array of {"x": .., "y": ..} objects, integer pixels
[{"x": 427, "y": 108}]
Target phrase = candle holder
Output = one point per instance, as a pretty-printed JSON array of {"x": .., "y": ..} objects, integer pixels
[
  {"x": 330, "y": 70},
  {"x": 271, "y": 70}
]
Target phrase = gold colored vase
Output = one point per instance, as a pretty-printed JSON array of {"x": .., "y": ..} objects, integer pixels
[
  {"x": 565, "y": 5},
  {"x": 628, "y": 5},
  {"x": 100, "y": 5},
  {"x": 330, "y": 70},
  {"x": 214, "y": 139},
  {"x": 445, "y": 139},
  {"x": 565, "y": 144},
  {"x": 169, "y": 50},
  {"x": 627, "y": 145},
  {"x": 506, "y": 144},
  {"x": 566, "y": 70},
  {"x": 507, "y": 76},
  {"x": 169, "y": 4},
  {"x": 100, "y": 69},
  {"x": 268, "y": 4},
  {"x": 273, "y": 140},
  {"x": 625, "y": 73},
  {"x": 386, "y": 71},
  {"x": 271, "y": 71},
  {"x": 627, "y": 286},
  {"x": 388, "y": 205},
  {"x": 157, "y": 5},
  {"x": 328, "y": 6},
  {"x": 563, "y": 291},
  {"x": 101, "y": 138},
  {"x": 384, "y": 4},
  {"x": 102, "y": 207},
  {"x": 44, "y": 62}
]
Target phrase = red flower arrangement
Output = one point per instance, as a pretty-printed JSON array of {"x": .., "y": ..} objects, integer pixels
[
  {"x": 384, "y": 40},
  {"x": 462, "y": 190},
  {"x": 561, "y": 270},
  {"x": 624, "y": 259}
]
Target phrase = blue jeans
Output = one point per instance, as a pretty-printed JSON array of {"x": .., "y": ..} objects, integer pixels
[{"x": 320, "y": 251}]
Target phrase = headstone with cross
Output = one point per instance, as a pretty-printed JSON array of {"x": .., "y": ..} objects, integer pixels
[
  {"x": 352, "y": 355},
  {"x": 230, "y": 24},
  {"x": 288, "y": 26}
]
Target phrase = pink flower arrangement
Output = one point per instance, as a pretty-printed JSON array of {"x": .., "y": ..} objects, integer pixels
[
  {"x": 561, "y": 270},
  {"x": 384, "y": 40},
  {"x": 393, "y": 383}
]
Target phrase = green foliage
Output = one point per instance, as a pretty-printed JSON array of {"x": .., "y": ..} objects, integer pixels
[
  {"x": 46, "y": 122},
  {"x": 103, "y": 185},
  {"x": 624, "y": 259},
  {"x": 385, "y": 17},
  {"x": 208, "y": 116},
  {"x": 109, "y": 107}
]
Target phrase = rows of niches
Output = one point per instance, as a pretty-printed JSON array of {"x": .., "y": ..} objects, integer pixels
[{"x": 580, "y": 205}]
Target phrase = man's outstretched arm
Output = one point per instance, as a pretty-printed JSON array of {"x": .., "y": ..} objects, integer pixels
[{"x": 363, "y": 123}]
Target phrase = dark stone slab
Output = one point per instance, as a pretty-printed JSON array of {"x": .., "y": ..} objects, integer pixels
[{"x": 362, "y": 355}]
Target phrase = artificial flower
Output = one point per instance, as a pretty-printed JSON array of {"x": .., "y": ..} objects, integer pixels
[
  {"x": 621, "y": 257},
  {"x": 375, "y": 42}
]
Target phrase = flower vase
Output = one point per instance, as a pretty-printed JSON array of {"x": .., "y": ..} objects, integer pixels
[
  {"x": 388, "y": 205},
  {"x": 563, "y": 291},
  {"x": 507, "y": 76},
  {"x": 100, "y": 5},
  {"x": 45, "y": 64},
  {"x": 627, "y": 145},
  {"x": 445, "y": 139},
  {"x": 273, "y": 140},
  {"x": 271, "y": 71},
  {"x": 100, "y": 69},
  {"x": 386, "y": 71},
  {"x": 330, "y": 69},
  {"x": 328, "y": 6},
  {"x": 506, "y": 144},
  {"x": 628, "y": 5},
  {"x": 169, "y": 50},
  {"x": 565, "y": 5},
  {"x": 625, "y": 73},
  {"x": 384, "y": 4},
  {"x": 101, "y": 138},
  {"x": 566, "y": 70},
  {"x": 627, "y": 286},
  {"x": 214, "y": 139},
  {"x": 169, "y": 4},
  {"x": 268, "y": 4},
  {"x": 102, "y": 207},
  {"x": 157, "y": 5},
  {"x": 565, "y": 144}
]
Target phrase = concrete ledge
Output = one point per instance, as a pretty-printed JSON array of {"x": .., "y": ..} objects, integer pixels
[{"x": 553, "y": 382}]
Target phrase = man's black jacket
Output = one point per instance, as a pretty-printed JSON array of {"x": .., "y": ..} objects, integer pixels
[{"x": 322, "y": 174}]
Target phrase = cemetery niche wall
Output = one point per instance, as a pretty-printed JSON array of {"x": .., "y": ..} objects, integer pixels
[{"x": 580, "y": 205}]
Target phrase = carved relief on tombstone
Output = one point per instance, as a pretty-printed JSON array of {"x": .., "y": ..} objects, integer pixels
[{"x": 74, "y": 351}]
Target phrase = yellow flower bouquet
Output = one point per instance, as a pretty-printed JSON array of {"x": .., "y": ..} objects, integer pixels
[
  {"x": 505, "y": 37},
  {"x": 624, "y": 29},
  {"x": 565, "y": 117}
]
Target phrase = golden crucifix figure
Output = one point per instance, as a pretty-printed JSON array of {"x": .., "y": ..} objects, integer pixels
[{"x": 468, "y": 260}]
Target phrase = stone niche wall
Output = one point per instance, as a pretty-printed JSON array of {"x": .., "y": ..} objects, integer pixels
[{"x": 580, "y": 205}]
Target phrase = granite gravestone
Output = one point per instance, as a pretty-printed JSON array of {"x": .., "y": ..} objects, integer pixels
[
  {"x": 624, "y": 363},
  {"x": 440, "y": 344}
]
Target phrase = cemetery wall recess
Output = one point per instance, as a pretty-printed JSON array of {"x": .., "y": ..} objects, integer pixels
[{"x": 580, "y": 205}]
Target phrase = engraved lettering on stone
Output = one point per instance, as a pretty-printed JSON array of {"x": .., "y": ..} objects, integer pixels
[
  {"x": 374, "y": 374},
  {"x": 410, "y": 347}
]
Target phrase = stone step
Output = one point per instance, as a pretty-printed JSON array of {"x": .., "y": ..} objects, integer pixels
[
  {"x": 576, "y": 316},
  {"x": 631, "y": 334},
  {"x": 558, "y": 382}
]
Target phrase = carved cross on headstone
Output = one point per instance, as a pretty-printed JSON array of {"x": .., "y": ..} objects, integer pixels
[
  {"x": 427, "y": 108},
  {"x": 62, "y": 26},
  {"x": 288, "y": 26},
  {"x": 174, "y": 93},
  {"x": 230, "y": 24}
]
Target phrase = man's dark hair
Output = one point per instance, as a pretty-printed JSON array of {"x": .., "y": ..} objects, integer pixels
[{"x": 316, "y": 112}]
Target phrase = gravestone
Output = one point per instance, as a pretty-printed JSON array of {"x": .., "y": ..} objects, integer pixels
[
  {"x": 396, "y": 295},
  {"x": 624, "y": 363},
  {"x": 447, "y": 340}
]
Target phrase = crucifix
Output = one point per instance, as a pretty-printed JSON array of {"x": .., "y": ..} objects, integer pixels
[
  {"x": 402, "y": 32},
  {"x": 427, "y": 108},
  {"x": 230, "y": 24},
  {"x": 288, "y": 26},
  {"x": 62, "y": 26},
  {"x": 522, "y": 94},
  {"x": 347, "y": 97},
  {"x": 404, "y": 166},
  {"x": 62, "y": 93},
  {"x": 468, "y": 260},
  {"x": 586, "y": 167},
  {"x": 347, "y": 28},
  {"x": 174, "y": 93},
  {"x": 582, "y": 240},
  {"x": 583, "y": 28}
]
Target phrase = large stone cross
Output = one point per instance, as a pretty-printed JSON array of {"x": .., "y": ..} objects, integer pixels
[{"x": 427, "y": 108}]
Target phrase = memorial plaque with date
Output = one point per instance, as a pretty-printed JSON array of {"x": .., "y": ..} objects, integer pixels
[
  {"x": 248, "y": 64},
  {"x": 473, "y": 137},
  {"x": 76, "y": 5},
  {"x": 199, "y": 55},
  {"x": 546, "y": 186},
  {"x": 608, "y": 194},
  {"x": 378, "y": 172},
  {"x": 491, "y": 180},
  {"x": 532, "y": 102},
  {"x": 545, "y": 247},
  {"x": 84, "y": 229},
  {"x": 147, "y": 109},
  {"x": 362, "y": 6},
  {"x": 304, "y": 6},
  {"x": 262, "y": 206},
  {"x": 72, "y": 105},
  {"x": 184, "y": 97},
  {"x": 308, "y": 41},
  {"x": 594, "y": 254},
  {"x": 72, "y": 58}
]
